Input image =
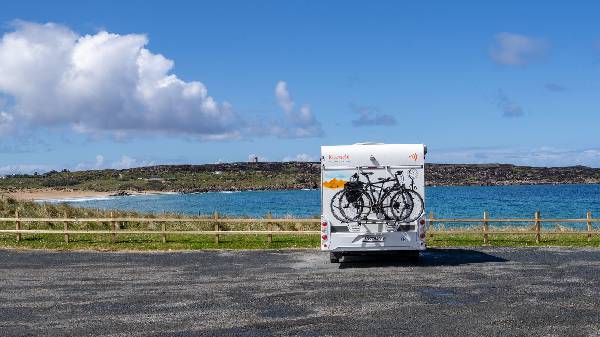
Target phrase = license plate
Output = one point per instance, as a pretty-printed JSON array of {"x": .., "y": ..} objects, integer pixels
[{"x": 373, "y": 238}]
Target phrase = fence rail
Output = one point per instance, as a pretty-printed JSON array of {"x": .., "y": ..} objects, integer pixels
[{"x": 114, "y": 222}]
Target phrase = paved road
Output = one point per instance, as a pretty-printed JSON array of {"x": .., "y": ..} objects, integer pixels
[{"x": 453, "y": 292}]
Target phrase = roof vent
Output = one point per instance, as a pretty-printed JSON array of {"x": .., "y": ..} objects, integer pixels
[{"x": 368, "y": 143}]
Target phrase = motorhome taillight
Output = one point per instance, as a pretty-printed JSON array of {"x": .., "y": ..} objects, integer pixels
[
  {"x": 422, "y": 235},
  {"x": 324, "y": 223},
  {"x": 324, "y": 236},
  {"x": 422, "y": 221}
]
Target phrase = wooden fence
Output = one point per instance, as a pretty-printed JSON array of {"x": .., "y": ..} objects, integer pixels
[{"x": 483, "y": 229}]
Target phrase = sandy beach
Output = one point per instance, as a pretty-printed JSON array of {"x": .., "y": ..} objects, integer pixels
[{"x": 48, "y": 194}]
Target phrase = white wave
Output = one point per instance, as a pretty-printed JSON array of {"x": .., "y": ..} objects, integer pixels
[
  {"x": 82, "y": 199},
  {"x": 150, "y": 194},
  {"x": 227, "y": 192}
]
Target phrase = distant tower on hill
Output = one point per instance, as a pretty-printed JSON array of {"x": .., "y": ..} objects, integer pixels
[{"x": 253, "y": 158}]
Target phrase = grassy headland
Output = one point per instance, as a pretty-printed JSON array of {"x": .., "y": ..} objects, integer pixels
[
  {"x": 276, "y": 176},
  {"x": 175, "y": 178}
]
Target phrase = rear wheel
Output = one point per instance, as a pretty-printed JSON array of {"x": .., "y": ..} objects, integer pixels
[
  {"x": 418, "y": 207},
  {"x": 354, "y": 208},
  {"x": 335, "y": 206},
  {"x": 400, "y": 205}
]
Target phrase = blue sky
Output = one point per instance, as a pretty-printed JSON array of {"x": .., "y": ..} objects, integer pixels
[{"x": 476, "y": 81}]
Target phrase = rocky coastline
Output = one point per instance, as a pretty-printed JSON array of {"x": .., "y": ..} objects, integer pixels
[{"x": 276, "y": 176}]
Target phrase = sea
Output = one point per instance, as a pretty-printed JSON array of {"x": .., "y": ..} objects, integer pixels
[{"x": 553, "y": 201}]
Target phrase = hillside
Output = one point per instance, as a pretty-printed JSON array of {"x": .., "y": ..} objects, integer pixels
[
  {"x": 277, "y": 175},
  {"x": 178, "y": 178}
]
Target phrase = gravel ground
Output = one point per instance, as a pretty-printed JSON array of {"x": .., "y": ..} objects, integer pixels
[{"x": 451, "y": 292}]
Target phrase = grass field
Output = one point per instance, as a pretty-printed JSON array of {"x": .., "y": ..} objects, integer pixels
[
  {"x": 9, "y": 206},
  {"x": 192, "y": 242}
]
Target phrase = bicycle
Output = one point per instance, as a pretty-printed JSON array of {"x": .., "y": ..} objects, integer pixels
[
  {"x": 359, "y": 199},
  {"x": 417, "y": 206}
]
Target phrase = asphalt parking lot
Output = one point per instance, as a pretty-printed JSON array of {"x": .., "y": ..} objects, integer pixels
[{"x": 451, "y": 292}]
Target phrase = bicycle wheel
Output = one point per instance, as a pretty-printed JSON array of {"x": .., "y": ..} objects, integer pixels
[
  {"x": 401, "y": 205},
  {"x": 334, "y": 205},
  {"x": 386, "y": 202},
  {"x": 418, "y": 206},
  {"x": 355, "y": 209}
]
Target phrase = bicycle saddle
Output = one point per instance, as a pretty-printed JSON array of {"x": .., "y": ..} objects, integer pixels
[{"x": 366, "y": 173}]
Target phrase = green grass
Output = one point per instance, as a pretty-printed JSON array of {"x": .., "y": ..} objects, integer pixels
[
  {"x": 195, "y": 242},
  {"x": 154, "y": 242},
  {"x": 8, "y": 207}
]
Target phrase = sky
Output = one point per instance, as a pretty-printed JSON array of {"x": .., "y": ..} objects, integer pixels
[{"x": 117, "y": 84}]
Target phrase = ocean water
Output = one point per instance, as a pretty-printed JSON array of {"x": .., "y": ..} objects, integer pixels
[{"x": 553, "y": 201}]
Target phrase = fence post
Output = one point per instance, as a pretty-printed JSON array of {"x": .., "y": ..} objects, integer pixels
[
  {"x": 538, "y": 227},
  {"x": 18, "y": 225},
  {"x": 430, "y": 222},
  {"x": 164, "y": 235},
  {"x": 216, "y": 216},
  {"x": 485, "y": 228},
  {"x": 66, "y": 228},
  {"x": 589, "y": 225},
  {"x": 113, "y": 225},
  {"x": 270, "y": 228}
]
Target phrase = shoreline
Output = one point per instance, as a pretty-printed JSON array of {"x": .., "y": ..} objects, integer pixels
[
  {"x": 74, "y": 195},
  {"x": 57, "y": 195}
]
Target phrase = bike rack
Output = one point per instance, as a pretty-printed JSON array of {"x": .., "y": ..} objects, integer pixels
[
  {"x": 389, "y": 224},
  {"x": 373, "y": 167}
]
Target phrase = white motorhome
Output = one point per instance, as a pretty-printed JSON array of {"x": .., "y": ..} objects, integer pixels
[{"x": 373, "y": 199}]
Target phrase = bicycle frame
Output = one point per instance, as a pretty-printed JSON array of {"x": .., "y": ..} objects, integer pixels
[{"x": 379, "y": 186}]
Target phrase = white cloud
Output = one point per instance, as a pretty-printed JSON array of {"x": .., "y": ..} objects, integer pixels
[
  {"x": 516, "y": 50},
  {"x": 508, "y": 107},
  {"x": 103, "y": 82},
  {"x": 371, "y": 116},
  {"x": 300, "y": 123},
  {"x": 300, "y": 157},
  {"x": 6, "y": 122},
  {"x": 124, "y": 162},
  {"x": 555, "y": 87},
  {"x": 127, "y": 162},
  {"x": 99, "y": 160},
  {"x": 541, "y": 156},
  {"x": 284, "y": 98},
  {"x": 87, "y": 165},
  {"x": 24, "y": 169}
]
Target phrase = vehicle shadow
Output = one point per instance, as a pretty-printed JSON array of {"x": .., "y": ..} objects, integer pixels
[{"x": 430, "y": 258}]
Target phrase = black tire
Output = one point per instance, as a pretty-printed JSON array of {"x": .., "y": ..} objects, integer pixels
[
  {"x": 354, "y": 211},
  {"x": 418, "y": 207},
  {"x": 401, "y": 205},
  {"x": 334, "y": 205},
  {"x": 334, "y": 257},
  {"x": 386, "y": 203}
]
